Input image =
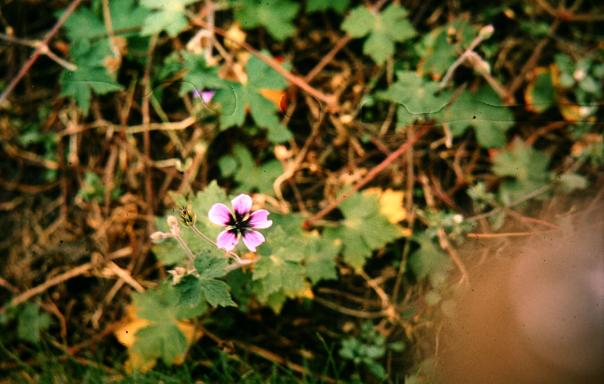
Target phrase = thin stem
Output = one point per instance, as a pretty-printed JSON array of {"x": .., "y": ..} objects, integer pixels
[
  {"x": 206, "y": 238},
  {"x": 370, "y": 176},
  {"x": 32, "y": 59},
  {"x": 477, "y": 40},
  {"x": 186, "y": 248}
]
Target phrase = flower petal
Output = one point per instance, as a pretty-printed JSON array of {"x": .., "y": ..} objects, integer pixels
[
  {"x": 252, "y": 239},
  {"x": 227, "y": 239},
  {"x": 242, "y": 204},
  {"x": 207, "y": 95},
  {"x": 219, "y": 214},
  {"x": 258, "y": 219}
]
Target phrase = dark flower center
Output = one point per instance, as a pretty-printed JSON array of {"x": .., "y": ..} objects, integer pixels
[{"x": 239, "y": 223}]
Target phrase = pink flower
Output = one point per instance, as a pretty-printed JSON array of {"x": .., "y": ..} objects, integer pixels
[{"x": 241, "y": 222}]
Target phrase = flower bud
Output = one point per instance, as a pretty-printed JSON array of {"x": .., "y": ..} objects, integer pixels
[
  {"x": 177, "y": 274},
  {"x": 158, "y": 237},
  {"x": 173, "y": 224},
  {"x": 486, "y": 32}
]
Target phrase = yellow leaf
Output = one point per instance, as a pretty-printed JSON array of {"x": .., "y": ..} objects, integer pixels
[
  {"x": 235, "y": 36},
  {"x": 126, "y": 335},
  {"x": 391, "y": 203},
  {"x": 273, "y": 95}
]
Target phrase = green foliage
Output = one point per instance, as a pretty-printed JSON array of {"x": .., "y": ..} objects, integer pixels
[
  {"x": 425, "y": 102},
  {"x": 169, "y": 252},
  {"x": 484, "y": 112},
  {"x": 91, "y": 76},
  {"x": 274, "y": 15},
  {"x": 542, "y": 92},
  {"x": 93, "y": 188},
  {"x": 205, "y": 284},
  {"x": 384, "y": 29},
  {"x": 161, "y": 341},
  {"x": 30, "y": 322},
  {"x": 442, "y": 46},
  {"x": 320, "y": 258},
  {"x": 363, "y": 230},
  {"x": 428, "y": 261},
  {"x": 247, "y": 174},
  {"x": 368, "y": 349},
  {"x": 166, "y": 16},
  {"x": 236, "y": 98},
  {"x": 320, "y": 5},
  {"x": 279, "y": 269},
  {"x": 199, "y": 75},
  {"x": 525, "y": 169},
  {"x": 162, "y": 338},
  {"x": 90, "y": 47}
]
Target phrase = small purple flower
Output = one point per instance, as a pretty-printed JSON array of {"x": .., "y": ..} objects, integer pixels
[
  {"x": 205, "y": 95},
  {"x": 240, "y": 223}
]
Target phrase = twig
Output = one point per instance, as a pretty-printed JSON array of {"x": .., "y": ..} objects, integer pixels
[
  {"x": 327, "y": 58},
  {"x": 368, "y": 177},
  {"x": 443, "y": 240},
  {"x": 502, "y": 234},
  {"x": 330, "y": 100},
  {"x": 532, "y": 61},
  {"x": 460, "y": 60},
  {"x": 126, "y": 276},
  {"x": 146, "y": 121},
  {"x": 77, "y": 271},
  {"x": 386, "y": 303},
  {"x": 32, "y": 59},
  {"x": 349, "y": 311}
]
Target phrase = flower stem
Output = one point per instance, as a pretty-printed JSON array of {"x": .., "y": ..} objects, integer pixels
[
  {"x": 187, "y": 250},
  {"x": 206, "y": 238}
]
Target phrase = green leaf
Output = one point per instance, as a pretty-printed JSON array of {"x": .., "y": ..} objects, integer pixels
[
  {"x": 320, "y": 258},
  {"x": 321, "y": 5},
  {"x": 90, "y": 76},
  {"x": 429, "y": 262},
  {"x": 484, "y": 112},
  {"x": 199, "y": 75},
  {"x": 274, "y": 15},
  {"x": 384, "y": 29},
  {"x": 525, "y": 167},
  {"x": 84, "y": 16},
  {"x": 163, "y": 341},
  {"x": 279, "y": 268},
  {"x": 425, "y": 102},
  {"x": 232, "y": 101},
  {"x": 364, "y": 229},
  {"x": 235, "y": 99},
  {"x": 126, "y": 14},
  {"x": 31, "y": 323},
  {"x": 441, "y": 47},
  {"x": 189, "y": 290},
  {"x": 251, "y": 177},
  {"x": 541, "y": 92},
  {"x": 572, "y": 181},
  {"x": 359, "y": 22},
  {"x": 166, "y": 16},
  {"x": 394, "y": 23},
  {"x": 217, "y": 293}
]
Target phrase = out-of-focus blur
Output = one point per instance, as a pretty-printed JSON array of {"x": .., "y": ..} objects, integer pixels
[{"x": 536, "y": 314}]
